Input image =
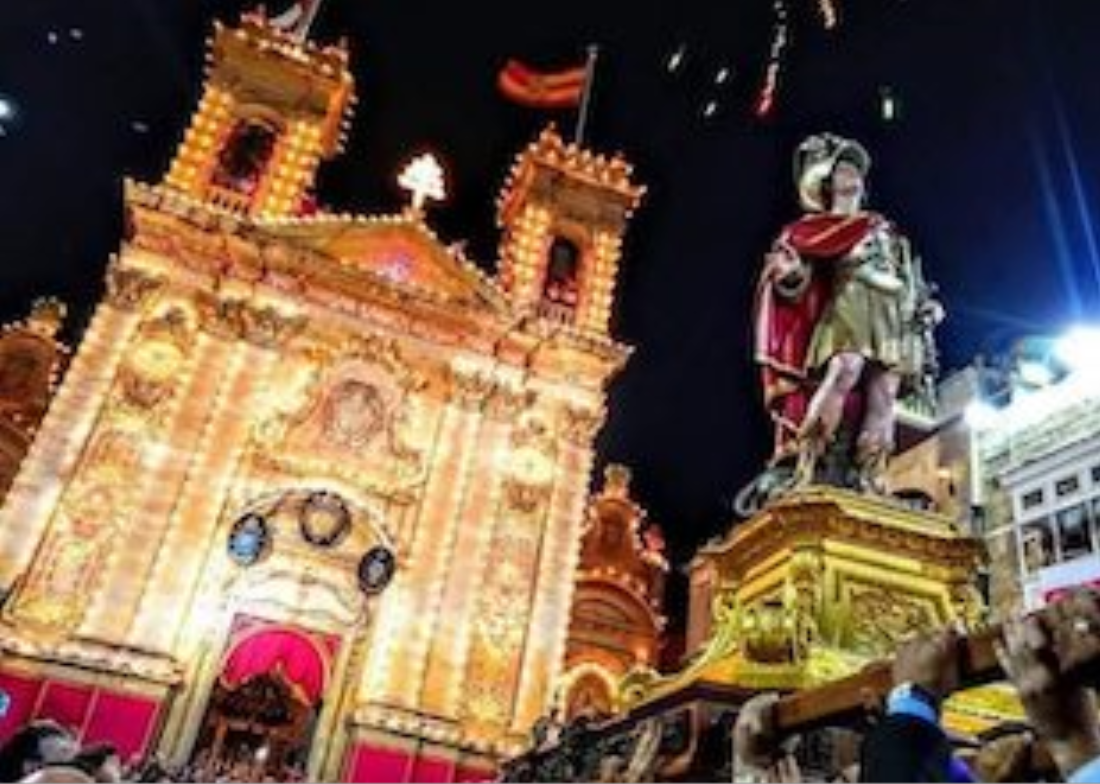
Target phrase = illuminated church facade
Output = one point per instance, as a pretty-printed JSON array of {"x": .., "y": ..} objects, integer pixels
[{"x": 313, "y": 487}]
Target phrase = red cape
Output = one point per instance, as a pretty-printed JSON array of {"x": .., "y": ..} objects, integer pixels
[{"x": 785, "y": 327}]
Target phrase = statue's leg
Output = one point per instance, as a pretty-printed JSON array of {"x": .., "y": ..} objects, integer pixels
[
  {"x": 876, "y": 437},
  {"x": 825, "y": 412}
]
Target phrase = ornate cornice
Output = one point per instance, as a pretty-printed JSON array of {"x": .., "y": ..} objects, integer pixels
[
  {"x": 90, "y": 654},
  {"x": 846, "y": 518},
  {"x": 261, "y": 325},
  {"x": 129, "y": 288},
  {"x": 226, "y": 249},
  {"x": 580, "y": 424}
]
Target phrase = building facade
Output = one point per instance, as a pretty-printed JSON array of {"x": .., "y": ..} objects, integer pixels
[
  {"x": 616, "y": 622},
  {"x": 312, "y": 491},
  {"x": 1040, "y": 460}
]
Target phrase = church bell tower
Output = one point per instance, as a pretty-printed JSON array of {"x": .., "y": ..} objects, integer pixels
[
  {"x": 272, "y": 109},
  {"x": 564, "y": 211}
]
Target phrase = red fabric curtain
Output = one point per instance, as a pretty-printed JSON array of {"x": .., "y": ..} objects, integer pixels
[{"x": 299, "y": 660}]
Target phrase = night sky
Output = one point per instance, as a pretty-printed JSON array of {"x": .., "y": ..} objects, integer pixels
[{"x": 992, "y": 168}]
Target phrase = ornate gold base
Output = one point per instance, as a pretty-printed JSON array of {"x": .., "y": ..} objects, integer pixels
[{"x": 817, "y": 585}]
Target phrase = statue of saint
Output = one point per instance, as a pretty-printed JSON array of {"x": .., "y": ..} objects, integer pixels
[{"x": 843, "y": 325}]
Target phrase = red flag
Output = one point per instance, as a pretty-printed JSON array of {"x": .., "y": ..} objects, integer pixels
[{"x": 554, "y": 90}]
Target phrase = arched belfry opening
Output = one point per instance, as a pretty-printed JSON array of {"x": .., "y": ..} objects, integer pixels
[
  {"x": 562, "y": 284},
  {"x": 245, "y": 156}
]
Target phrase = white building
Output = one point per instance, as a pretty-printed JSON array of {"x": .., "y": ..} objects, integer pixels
[{"x": 1040, "y": 459}]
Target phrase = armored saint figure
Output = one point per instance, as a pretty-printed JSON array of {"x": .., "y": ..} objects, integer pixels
[{"x": 843, "y": 323}]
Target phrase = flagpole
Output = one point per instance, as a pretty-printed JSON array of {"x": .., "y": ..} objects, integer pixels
[
  {"x": 297, "y": 20},
  {"x": 308, "y": 18},
  {"x": 586, "y": 96}
]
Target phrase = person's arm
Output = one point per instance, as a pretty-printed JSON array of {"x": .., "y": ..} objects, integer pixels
[
  {"x": 909, "y": 744},
  {"x": 760, "y": 753},
  {"x": 1062, "y": 710}
]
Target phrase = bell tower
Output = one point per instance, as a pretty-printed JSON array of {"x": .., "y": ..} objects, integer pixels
[
  {"x": 564, "y": 211},
  {"x": 272, "y": 108}
]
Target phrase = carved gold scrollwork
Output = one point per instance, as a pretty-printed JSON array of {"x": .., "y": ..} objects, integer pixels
[
  {"x": 881, "y": 619},
  {"x": 781, "y": 627},
  {"x": 524, "y": 497},
  {"x": 530, "y": 466},
  {"x": 581, "y": 424},
  {"x": 59, "y": 583},
  {"x": 968, "y": 605},
  {"x": 129, "y": 288},
  {"x": 385, "y": 353},
  {"x": 345, "y": 417},
  {"x": 264, "y": 326},
  {"x": 724, "y": 606},
  {"x": 148, "y": 376},
  {"x": 470, "y": 389},
  {"x": 505, "y": 403},
  {"x": 270, "y": 328},
  {"x": 771, "y": 634},
  {"x": 803, "y": 595}
]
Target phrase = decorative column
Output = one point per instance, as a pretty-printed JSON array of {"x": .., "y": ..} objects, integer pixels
[
  {"x": 56, "y": 451},
  {"x": 408, "y": 618},
  {"x": 544, "y": 652},
  {"x": 160, "y": 394},
  {"x": 507, "y": 583},
  {"x": 442, "y": 690},
  {"x": 242, "y": 372}
]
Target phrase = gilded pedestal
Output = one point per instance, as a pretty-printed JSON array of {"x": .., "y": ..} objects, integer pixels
[{"x": 820, "y": 583}]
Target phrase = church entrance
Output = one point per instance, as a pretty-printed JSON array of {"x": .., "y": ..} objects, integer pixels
[
  {"x": 260, "y": 730},
  {"x": 262, "y": 714}
]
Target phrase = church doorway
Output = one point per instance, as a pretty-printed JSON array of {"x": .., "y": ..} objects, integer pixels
[
  {"x": 258, "y": 731},
  {"x": 263, "y": 708}
]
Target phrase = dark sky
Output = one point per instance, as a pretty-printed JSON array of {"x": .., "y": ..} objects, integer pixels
[{"x": 992, "y": 168}]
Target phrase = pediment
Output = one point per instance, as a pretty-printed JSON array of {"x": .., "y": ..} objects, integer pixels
[{"x": 398, "y": 251}]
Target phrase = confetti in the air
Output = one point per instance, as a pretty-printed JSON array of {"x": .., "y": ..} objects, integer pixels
[
  {"x": 780, "y": 37},
  {"x": 676, "y": 59},
  {"x": 889, "y": 105}
]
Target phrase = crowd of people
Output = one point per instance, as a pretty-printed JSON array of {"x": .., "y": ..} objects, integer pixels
[{"x": 45, "y": 751}]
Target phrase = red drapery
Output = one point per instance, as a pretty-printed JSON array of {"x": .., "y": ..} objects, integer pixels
[{"x": 301, "y": 661}]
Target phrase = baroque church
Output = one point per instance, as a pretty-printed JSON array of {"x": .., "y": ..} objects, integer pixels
[{"x": 313, "y": 489}]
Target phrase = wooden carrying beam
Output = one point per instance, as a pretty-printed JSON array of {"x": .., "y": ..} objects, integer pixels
[{"x": 850, "y": 698}]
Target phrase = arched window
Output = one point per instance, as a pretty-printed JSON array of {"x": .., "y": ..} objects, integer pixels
[
  {"x": 244, "y": 157},
  {"x": 561, "y": 286}
]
